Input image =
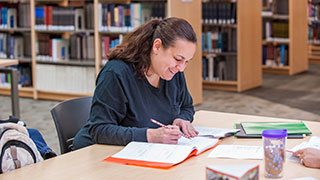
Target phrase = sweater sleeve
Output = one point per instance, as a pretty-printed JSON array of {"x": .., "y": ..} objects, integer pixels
[
  {"x": 186, "y": 108},
  {"x": 109, "y": 107}
]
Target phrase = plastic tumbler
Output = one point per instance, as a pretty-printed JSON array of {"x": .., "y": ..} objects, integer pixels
[{"x": 274, "y": 145}]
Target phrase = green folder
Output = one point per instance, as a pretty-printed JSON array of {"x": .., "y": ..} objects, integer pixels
[{"x": 256, "y": 128}]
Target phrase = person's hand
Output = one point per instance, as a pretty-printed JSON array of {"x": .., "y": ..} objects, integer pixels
[
  {"x": 168, "y": 135},
  {"x": 310, "y": 157},
  {"x": 186, "y": 127}
]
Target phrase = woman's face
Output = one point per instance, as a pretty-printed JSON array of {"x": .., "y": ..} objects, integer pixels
[{"x": 165, "y": 63}]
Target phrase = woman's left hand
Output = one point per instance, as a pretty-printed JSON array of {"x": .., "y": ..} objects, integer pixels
[{"x": 186, "y": 127}]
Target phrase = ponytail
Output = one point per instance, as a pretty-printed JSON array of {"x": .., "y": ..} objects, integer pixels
[{"x": 136, "y": 46}]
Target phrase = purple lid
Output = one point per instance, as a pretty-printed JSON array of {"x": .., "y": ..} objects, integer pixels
[{"x": 274, "y": 133}]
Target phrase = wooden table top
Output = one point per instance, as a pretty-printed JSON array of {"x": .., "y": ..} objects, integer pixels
[{"x": 87, "y": 163}]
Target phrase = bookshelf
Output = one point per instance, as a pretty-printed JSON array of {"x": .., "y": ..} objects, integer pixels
[
  {"x": 15, "y": 41},
  {"x": 313, "y": 32},
  {"x": 285, "y": 46},
  {"x": 232, "y": 64},
  {"x": 50, "y": 74}
]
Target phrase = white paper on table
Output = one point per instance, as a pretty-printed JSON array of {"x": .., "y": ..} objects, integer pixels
[
  {"x": 237, "y": 152},
  {"x": 305, "y": 178},
  {"x": 314, "y": 142},
  {"x": 153, "y": 152},
  {"x": 215, "y": 132}
]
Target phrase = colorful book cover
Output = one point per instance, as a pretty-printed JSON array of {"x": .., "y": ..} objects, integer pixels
[{"x": 256, "y": 128}]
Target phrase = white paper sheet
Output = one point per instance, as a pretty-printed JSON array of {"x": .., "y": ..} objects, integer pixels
[
  {"x": 215, "y": 132},
  {"x": 237, "y": 152},
  {"x": 164, "y": 153}
]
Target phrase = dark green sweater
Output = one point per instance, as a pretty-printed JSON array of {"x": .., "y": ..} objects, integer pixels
[{"x": 123, "y": 104}]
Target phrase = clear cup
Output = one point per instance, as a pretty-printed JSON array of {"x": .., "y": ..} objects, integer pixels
[{"x": 274, "y": 145}]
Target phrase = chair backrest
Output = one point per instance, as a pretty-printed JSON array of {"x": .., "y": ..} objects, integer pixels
[{"x": 69, "y": 116}]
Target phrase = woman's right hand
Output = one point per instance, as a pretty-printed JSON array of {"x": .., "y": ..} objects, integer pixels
[{"x": 168, "y": 135}]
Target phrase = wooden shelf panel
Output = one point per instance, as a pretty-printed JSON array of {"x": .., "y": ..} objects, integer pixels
[
  {"x": 220, "y": 85},
  {"x": 221, "y": 25},
  {"x": 276, "y": 16},
  {"x": 276, "y": 69},
  {"x": 64, "y": 31},
  {"x": 314, "y": 57},
  {"x": 23, "y": 91},
  {"x": 275, "y": 42},
  {"x": 59, "y": 96},
  {"x": 12, "y": 30},
  {"x": 70, "y": 62},
  {"x": 220, "y": 54},
  {"x": 313, "y": 47}
]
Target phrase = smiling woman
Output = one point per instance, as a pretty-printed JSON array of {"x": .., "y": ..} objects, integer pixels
[{"x": 144, "y": 79}]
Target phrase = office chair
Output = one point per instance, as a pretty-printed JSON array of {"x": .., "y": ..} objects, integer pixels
[{"x": 69, "y": 116}]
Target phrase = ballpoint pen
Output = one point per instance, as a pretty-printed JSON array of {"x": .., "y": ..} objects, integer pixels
[{"x": 162, "y": 125}]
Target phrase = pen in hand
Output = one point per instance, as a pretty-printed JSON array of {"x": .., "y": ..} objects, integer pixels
[{"x": 162, "y": 125}]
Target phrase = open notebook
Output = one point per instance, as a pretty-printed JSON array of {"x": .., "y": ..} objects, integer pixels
[{"x": 162, "y": 155}]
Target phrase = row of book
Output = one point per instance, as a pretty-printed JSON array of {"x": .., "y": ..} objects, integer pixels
[
  {"x": 219, "y": 12},
  {"x": 278, "y": 7},
  {"x": 313, "y": 11},
  {"x": 15, "y": 45},
  {"x": 14, "y": 15},
  {"x": 79, "y": 46},
  {"x": 314, "y": 33},
  {"x": 219, "y": 40},
  {"x": 61, "y": 78},
  {"x": 128, "y": 16},
  {"x": 275, "y": 55},
  {"x": 24, "y": 76},
  {"x": 219, "y": 68},
  {"x": 275, "y": 29},
  {"x": 108, "y": 43},
  {"x": 64, "y": 18}
]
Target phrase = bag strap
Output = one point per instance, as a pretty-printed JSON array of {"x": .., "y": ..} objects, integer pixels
[
  {"x": 11, "y": 119},
  {"x": 14, "y": 155}
]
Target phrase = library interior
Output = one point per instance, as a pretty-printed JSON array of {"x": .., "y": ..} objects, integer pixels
[{"x": 254, "y": 60}]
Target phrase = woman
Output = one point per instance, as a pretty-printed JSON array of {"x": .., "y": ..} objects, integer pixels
[{"x": 144, "y": 79}]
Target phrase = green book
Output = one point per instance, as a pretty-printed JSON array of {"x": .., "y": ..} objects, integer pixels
[{"x": 256, "y": 128}]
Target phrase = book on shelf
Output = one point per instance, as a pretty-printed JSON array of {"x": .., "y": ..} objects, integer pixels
[
  {"x": 162, "y": 155},
  {"x": 79, "y": 19},
  {"x": 219, "y": 12},
  {"x": 220, "y": 68},
  {"x": 234, "y": 171},
  {"x": 64, "y": 18},
  {"x": 126, "y": 17},
  {"x": 281, "y": 7},
  {"x": 275, "y": 55}
]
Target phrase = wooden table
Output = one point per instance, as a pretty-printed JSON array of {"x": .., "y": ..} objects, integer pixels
[
  {"x": 14, "y": 84},
  {"x": 87, "y": 163}
]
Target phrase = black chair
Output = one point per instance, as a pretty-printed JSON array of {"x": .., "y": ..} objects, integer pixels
[{"x": 69, "y": 116}]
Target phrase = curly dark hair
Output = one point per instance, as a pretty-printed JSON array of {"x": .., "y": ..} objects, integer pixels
[{"x": 136, "y": 46}]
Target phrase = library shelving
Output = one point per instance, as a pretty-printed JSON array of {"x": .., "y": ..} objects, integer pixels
[
  {"x": 15, "y": 39},
  {"x": 314, "y": 32},
  {"x": 285, "y": 36},
  {"x": 231, "y": 37},
  {"x": 59, "y": 72}
]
